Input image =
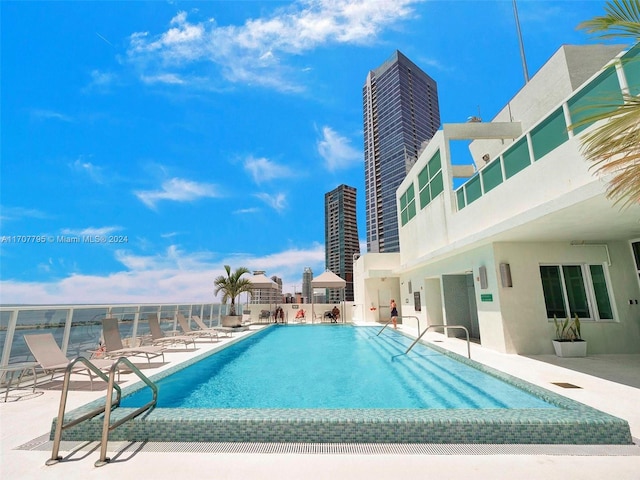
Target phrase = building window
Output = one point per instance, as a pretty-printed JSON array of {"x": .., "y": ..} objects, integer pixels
[
  {"x": 635, "y": 247},
  {"x": 430, "y": 183},
  {"x": 571, "y": 290},
  {"x": 407, "y": 205}
]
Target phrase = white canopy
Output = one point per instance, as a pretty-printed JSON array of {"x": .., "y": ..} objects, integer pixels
[
  {"x": 328, "y": 280},
  {"x": 262, "y": 282}
]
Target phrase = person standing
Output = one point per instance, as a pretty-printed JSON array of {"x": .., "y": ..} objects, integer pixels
[{"x": 394, "y": 313}]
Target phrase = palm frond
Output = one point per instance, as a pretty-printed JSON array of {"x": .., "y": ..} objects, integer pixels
[
  {"x": 614, "y": 148},
  {"x": 622, "y": 19}
]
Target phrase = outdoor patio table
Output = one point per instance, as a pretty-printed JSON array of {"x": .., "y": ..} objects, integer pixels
[{"x": 10, "y": 371}]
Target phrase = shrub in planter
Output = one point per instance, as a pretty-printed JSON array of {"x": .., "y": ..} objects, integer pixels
[{"x": 568, "y": 341}]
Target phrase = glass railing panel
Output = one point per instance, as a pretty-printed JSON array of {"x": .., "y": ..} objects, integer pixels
[
  {"x": 474, "y": 189},
  {"x": 86, "y": 331},
  {"x": 549, "y": 134},
  {"x": 491, "y": 176},
  {"x": 207, "y": 314},
  {"x": 631, "y": 67},
  {"x": 143, "y": 332},
  {"x": 5, "y": 318},
  {"x": 516, "y": 158},
  {"x": 460, "y": 198},
  {"x": 601, "y": 95},
  {"x": 32, "y": 321}
]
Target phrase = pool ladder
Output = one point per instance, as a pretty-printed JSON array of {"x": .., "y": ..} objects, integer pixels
[{"x": 109, "y": 405}]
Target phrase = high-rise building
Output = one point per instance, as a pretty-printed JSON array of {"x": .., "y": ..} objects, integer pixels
[
  {"x": 401, "y": 113},
  {"x": 307, "y": 276},
  {"x": 341, "y": 237},
  {"x": 276, "y": 293}
]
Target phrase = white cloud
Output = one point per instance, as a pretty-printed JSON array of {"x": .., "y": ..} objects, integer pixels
[
  {"x": 18, "y": 213},
  {"x": 263, "y": 169},
  {"x": 244, "y": 211},
  {"x": 101, "y": 79},
  {"x": 256, "y": 51},
  {"x": 170, "y": 276},
  {"x": 40, "y": 114},
  {"x": 93, "y": 231},
  {"x": 337, "y": 150},
  {"x": 170, "y": 78},
  {"x": 84, "y": 166},
  {"x": 276, "y": 201},
  {"x": 178, "y": 190}
]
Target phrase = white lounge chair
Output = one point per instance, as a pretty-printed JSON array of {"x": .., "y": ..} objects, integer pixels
[
  {"x": 186, "y": 329},
  {"x": 228, "y": 331},
  {"x": 51, "y": 359},
  {"x": 115, "y": 348},
  {"x": 159, "y": 338}
]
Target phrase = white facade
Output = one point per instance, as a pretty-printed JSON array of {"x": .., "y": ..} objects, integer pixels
[{"x": 532, "y": 208}]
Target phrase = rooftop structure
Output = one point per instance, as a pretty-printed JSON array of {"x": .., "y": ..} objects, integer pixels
[{"x": 530, "y": 234}]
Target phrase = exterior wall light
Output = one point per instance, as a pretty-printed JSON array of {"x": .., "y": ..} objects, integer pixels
[{"x": 505, "y": 275}]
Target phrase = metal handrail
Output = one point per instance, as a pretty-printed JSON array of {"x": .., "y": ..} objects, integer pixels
[
  {"x": 106, "y": 409},
  {"x": 385, "y": 326},
  {"x": 60, "y": 426},
  {"x": 445, "y": 327},
  {"x": 402, "y": 316},
  {"x": 106, "y": 427}
]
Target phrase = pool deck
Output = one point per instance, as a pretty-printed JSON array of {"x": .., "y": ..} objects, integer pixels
[{"x": 610, "y": 383}]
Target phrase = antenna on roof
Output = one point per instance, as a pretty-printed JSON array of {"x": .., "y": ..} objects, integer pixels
[{"x": 524, "y": 60}]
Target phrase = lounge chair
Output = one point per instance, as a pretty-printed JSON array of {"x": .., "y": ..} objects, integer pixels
[
  {"x": 51, "y": 359},
  {"x": 228, "y": 331},
  {"x": 265, "y": 315},
  {"x": 115, "y": 348},
  {"x": 159, "y": 338},
  {"x": 186, "y": 329}
]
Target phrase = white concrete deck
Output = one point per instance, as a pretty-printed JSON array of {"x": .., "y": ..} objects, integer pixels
[{"x": 26, "y": 417}]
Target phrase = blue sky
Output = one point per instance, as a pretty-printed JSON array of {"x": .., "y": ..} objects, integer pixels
[{"x": 199, "y": 134}]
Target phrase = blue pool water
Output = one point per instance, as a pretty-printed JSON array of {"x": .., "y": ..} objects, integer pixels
[{"x": 333, "y": 367}]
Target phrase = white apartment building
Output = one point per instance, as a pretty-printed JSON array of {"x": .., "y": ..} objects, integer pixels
[{"x": 530, "y": 234}]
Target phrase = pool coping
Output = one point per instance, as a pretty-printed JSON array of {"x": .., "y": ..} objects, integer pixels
[{"x": 571, "y": 423}]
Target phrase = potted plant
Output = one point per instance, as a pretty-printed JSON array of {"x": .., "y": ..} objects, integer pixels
[
  {"x": 231, "y": 286},
  {"x": 568, "y": 341}
]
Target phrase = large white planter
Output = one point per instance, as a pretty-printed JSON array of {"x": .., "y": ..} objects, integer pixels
[
  {"x": 570, "y": 349},
  {"x": 231, "y": 320}
]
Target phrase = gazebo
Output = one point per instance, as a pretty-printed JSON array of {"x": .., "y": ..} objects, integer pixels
[{"x": 328, "y": 279}]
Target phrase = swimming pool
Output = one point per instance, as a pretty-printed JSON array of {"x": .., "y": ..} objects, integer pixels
[
  {"x": 550, "y": 418},
  {"x": 332, "y": 367}
]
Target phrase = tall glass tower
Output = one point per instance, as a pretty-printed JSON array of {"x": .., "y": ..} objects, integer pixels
[
  {"x": 401, "y": 113},
  {"x": 341, "y": 237}
]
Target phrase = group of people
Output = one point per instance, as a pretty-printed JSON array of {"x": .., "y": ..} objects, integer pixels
[
  {"x": 278, "y": 315},
  {"x": 334, "y": 314}
]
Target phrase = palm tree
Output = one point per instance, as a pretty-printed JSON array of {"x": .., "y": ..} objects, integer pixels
[
  {"x": 614, "y": 146},
  {"x": 232, "y": 285}
]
